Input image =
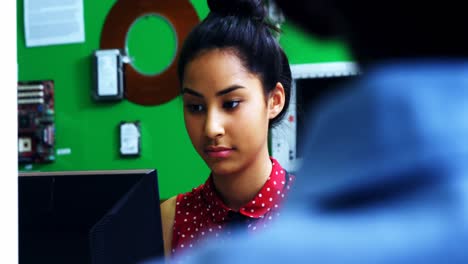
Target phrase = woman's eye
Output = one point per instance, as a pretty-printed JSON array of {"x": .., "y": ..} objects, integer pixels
[
  {"x": 231, "y": 104},
  {"x": 195, "y": 108}
]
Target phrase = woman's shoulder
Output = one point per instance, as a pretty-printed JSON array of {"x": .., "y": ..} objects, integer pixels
[
  {"x": 168, "y": 205},
  {"x": 181, "y": 203},
  {"x": 168, "y": 208}
]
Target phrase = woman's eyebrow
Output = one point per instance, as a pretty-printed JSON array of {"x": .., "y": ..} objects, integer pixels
[
  {"x": 220, "y": 93},
  {"x": 192, "y": 92},
  {"x": 229, "y": 89}
]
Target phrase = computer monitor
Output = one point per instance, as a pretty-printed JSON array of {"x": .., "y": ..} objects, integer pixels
[
  {"x": 311, "y": 84},
  {"x": 57, "y": 211},
  {"x": 131, "y": 232}
]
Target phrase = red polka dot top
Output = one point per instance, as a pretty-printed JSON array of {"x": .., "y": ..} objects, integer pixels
[{"x": 200, "y": 214}]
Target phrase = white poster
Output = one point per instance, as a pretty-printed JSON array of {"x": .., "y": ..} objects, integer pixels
[{"x": 52, "y": 22}]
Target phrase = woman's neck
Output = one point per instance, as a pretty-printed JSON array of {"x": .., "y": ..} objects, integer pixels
[{"x": 241, "y": 187}]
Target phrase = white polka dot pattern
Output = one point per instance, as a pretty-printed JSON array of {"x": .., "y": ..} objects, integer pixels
[{"x": 192, "y": 225}]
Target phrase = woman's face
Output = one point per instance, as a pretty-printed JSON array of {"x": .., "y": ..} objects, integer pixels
[{"x": 225, "y": 111}]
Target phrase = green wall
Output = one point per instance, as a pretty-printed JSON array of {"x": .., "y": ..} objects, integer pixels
[
  {"x": 304, "y": 48},
  {"x": 89, "y": 129}
]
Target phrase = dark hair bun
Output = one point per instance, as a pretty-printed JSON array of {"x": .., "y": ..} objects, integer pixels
[{"x": 242, "y": 8}]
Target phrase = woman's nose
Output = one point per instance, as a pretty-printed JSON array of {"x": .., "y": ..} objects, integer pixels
[{"x": 214, "y": 127}]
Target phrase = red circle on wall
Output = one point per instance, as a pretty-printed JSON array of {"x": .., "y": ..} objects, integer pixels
[{"x": 148, "y": 89}]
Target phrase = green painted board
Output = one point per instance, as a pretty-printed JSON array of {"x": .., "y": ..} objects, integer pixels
[{"x": 90, "y": 129}]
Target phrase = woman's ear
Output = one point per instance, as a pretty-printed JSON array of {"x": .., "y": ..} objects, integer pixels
[{"x": 276, "y": 101}]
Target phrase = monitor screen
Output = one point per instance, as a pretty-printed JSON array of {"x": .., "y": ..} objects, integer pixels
[
  {"x": 58, "y": 210},
  {"x": 310, "y": 92},
  {"x": 311, "y": 85}
]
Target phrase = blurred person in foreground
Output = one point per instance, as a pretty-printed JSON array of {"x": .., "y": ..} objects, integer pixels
[{"x": 385, "y": 174}]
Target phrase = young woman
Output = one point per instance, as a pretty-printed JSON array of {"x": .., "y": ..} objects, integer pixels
[{"x": 235, "y": 85}]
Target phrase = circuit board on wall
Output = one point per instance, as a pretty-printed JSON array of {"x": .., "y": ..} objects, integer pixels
[{"x": 36, "y": 127}]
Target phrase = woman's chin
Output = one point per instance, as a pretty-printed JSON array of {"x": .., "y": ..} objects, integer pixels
[{"x": 222, "y": 168}]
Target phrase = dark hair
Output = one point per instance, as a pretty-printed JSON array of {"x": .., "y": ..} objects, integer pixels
[{"x": 240, "y": 26}]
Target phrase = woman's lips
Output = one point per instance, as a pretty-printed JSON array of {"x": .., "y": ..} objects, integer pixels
[{"x": 218, "y": 152}]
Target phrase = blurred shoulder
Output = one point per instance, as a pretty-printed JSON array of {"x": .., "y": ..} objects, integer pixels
[{"x": 168, "y": 208}]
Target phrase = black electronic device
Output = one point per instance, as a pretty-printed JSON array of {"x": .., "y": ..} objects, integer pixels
[
  {"x": 311, "y": 85},
  {"x": 310, "y": 93},
  {"x": 57, "y": 211},
  {"x": 131, "y": 232}
]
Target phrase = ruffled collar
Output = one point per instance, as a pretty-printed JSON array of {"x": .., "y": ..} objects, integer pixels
[{"x": 268, "y": 198}]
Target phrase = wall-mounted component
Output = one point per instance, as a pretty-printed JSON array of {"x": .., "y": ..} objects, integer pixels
[
  {"x": 130, "y": 139},
  {"x": 310, "y": 84},
  {"x": 36, "y": 128},
  {"x": 108, "y": 75},
  {"x": 148, "y": 89}
]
